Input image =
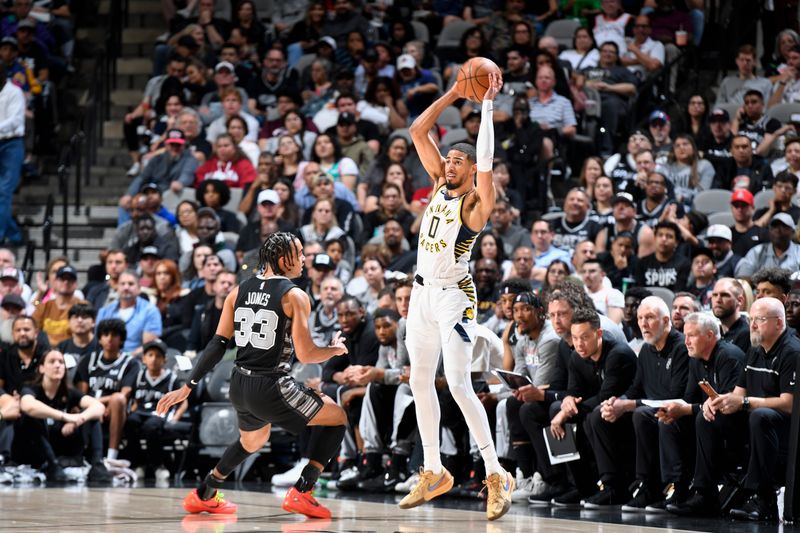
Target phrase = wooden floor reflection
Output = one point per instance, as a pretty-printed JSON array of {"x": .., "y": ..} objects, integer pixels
[{"x": 152, "y": 510}]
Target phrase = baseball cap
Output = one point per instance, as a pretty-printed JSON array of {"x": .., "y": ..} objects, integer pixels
[
  {"x": 370, "y": 54},
  {"x": 330, "y": 41},
  {"x": 784, "y": 218},
  {"x": 10, "y": 41},
  {"x": 268, "y": 195},
  {"x": 67, "y": 272},
  {"x": 224, "y": 64},
  {"x": 13, "y": 300},
  {"x": 719, "y": 114},
  {"x": 742, "y": 195},
  {"x": 322, "y": 176},
  {"x": 719, "y": 231},
  {"x": 658, "y": 116},
  {"x": 26, "y": 23},
  {"x": 151, "y": 250},
  {"x": 623, "y": 197},
  {"x": 702, "y": 250},
  {"x": 9, "y": 273},
  {"x": 406, "y": 61},
  {"x": 346, "y": 119},
  {"x": 323, "y": 262},
  {"x": 150, "y": 186},
  {"x": 156, "y": 344},
  {"x": 175, "y": 136}
]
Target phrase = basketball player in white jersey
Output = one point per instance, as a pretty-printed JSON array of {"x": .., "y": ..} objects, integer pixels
[{"x": 441, "y": 315}]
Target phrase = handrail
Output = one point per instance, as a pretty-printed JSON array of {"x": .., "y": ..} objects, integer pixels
[
  {"x": 47, "y": 228},
  {"x": 27, "y": 261}
]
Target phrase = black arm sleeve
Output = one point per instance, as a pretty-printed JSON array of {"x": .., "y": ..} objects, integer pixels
[{"x": 208, "y": 359}]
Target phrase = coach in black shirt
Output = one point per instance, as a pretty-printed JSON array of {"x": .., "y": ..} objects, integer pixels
[
  {"x": 727, "y": 301},
  {"x": 600, "y": 367},
  {"x": 762, "y": 400},
  {"x": 661, "y": 372},
  {"x": 712, "y": 360},
  {"x": 664, "y": 267}
]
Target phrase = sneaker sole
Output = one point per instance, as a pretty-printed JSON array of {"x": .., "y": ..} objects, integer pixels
[
  {"x": 428, "y": 496},
  {"x": 506, "y": 501},
  {"x": 587, "y": 505},
  {"x": 632, "y": 509}
]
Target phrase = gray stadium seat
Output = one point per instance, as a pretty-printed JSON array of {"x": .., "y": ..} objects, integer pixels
[
  {"x": 665, "y": 294},
  {"x": 452, "y": 33},
  {"x": 783, "y": 112},
  {"x": 420, "y": 31},
  {"x": 170, "y": 200},
  {"x": 403, "y": 132},
  {"x": 763, "y": 198},
  {"x": 453, "y": 136},
  {"x": 730, "y": 108},
  {"x": 236, "y": 197},
  {"x": 722, "y": 217},
  {"x": 562, "y": 31},
  {"x": 450, "y": 118},
  {"x": 712, "y": 201},
  {"x": 550, "y": 217}
]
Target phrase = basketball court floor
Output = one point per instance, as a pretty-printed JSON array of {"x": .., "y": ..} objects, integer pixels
[{"x": 155, "y": 510}]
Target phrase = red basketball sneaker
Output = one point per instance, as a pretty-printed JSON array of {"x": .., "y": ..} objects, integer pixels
[
  {"x": 217, "y": 505},
  {"x": 304, "y": 503}
]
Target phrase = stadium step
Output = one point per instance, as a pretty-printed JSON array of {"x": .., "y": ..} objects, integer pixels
[
  {"x": 126, "y": 97},
  {"x": 134, "y": 65},
  {"x": 112, "y": 130},
  {"x": 146, "y": 36}
]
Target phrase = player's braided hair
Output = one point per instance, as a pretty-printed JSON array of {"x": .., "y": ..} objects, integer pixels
[{"x": 277, "y": 245}]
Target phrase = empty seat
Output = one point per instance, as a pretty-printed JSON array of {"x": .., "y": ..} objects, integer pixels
[
  {"x": 663, "y": 293},
  {"x": 562, "y": 31},
  {"x": 712, "y": 201},
  {"x": 763, "y": 198},
  {"x": 452, "y": 33}
]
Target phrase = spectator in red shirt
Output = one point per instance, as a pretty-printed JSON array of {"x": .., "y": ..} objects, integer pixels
[{"x": 228, "y": 164}]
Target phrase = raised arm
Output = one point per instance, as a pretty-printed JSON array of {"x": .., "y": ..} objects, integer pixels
[
  {"x": 484, "y": 157},
  {"x": 428, "y": 150}
]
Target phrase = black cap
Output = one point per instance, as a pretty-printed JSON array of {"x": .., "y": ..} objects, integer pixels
[
  {"x": 323, "y": 262},
  {"x": 702, "y": 250},
  {"x": 719, "y": 114},
  {"x": 11, "y": 41},
  {"x": 149, "y": 186},
  {"x": 188, "y": 42},
  {"x": 13, "y": 300},
  {"x": 67, "y": 272},
  {"x": 370, "y": 54},
  {"x": 175, "y": 136},
  {"x": 152, "y": 251},
  {"x": 346, "y": 119},
  {"x": 157, "y": 344},
  {"x": 623, "y": 197}
]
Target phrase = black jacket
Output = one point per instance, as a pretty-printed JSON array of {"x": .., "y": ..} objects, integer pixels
[
  {"x": 722, "y": 370},
  {"x": 661, "y": 375},
  {"x": 739, "y": 334},
  {"x": 362, "y": 349},
  {"x": 598, "y": 381}
]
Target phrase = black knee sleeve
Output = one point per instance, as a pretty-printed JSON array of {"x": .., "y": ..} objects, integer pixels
[
  {"x": 234, "y": 455},
  {"x": 325, "y": 442}
]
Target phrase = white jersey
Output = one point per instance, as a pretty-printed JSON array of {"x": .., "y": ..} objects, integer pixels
[{"x": 445, "y": 243}]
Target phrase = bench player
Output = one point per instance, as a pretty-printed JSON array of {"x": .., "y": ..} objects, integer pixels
[
  {"x": 442, "y": 309},
  {"x": 267, "y": 316}
]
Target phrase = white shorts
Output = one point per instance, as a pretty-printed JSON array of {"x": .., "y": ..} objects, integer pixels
[{"x": 437, "y": 312}]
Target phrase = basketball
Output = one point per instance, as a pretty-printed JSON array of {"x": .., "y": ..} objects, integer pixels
[{"x": 472, "y": 80}]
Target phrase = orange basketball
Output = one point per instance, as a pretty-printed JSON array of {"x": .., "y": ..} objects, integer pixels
[{"x": 472, "y": 80}]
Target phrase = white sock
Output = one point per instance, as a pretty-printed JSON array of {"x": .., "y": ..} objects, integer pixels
[
  {"x": 112, "y": 453},
  {"x": 490, "y": 461}
]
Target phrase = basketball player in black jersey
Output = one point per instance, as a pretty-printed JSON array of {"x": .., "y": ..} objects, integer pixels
[{"x": 267, "y": 316}]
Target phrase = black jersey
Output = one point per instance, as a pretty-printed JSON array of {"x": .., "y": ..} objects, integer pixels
[
  {"x": 149, "y": 390},
  {"x": 568, "y": 235},
  {"x": 262, "y": 331},
  {"x": 107, "y": 377},
  {"x": 611, "y": 234}
]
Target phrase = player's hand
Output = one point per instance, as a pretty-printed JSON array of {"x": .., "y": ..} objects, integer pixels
[
  {"x": 495, "y": 85},
  {"x": 172, "y": 398},
  {"x": 338, "y": 342}
]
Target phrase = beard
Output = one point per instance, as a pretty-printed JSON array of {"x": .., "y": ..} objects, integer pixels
[
  {"x": 756, "y": 339},
  {"x": 25, "y": 343},
  {"x": 451, "y": 185},
  {"x": 724, "y": 313}
]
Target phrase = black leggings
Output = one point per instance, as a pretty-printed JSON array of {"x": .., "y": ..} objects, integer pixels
[{"x": 38, "y": 441}]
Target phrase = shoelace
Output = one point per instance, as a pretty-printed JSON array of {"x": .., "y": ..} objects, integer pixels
[
  {"x": 494, "y": 484},
  {"x": 426, "y": 478}
]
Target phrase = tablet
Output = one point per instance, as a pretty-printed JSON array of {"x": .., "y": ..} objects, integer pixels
[{"x": 512, "y": 380}]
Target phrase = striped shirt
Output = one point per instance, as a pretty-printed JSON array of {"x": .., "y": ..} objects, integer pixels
[{"x": 556, "y": 112}]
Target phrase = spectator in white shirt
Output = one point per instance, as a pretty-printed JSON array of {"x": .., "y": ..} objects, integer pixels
[
  {"x": 644, "y": 55},
  {"x": 733, "y": 88},
  {"x": 607, "y": 300},
  {"x": 12, "y": 153}
]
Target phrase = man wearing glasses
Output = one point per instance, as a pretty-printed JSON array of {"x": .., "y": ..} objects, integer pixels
[{"x": 762, "y": 402}]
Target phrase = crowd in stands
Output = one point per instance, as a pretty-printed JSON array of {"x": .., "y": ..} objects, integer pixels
[{"x": 635, "y": 248}]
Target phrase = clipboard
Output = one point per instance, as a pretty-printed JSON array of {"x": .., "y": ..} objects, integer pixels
[
  {"x": 564, "y": 450},
  {"x": 512, "y": 380}
]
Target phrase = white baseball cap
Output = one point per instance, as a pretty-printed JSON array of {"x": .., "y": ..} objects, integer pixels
[
  {"x": 718, "y": 231},
  {"x": 268, "y": 195},
  {"x": 406, "y": 61}
]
